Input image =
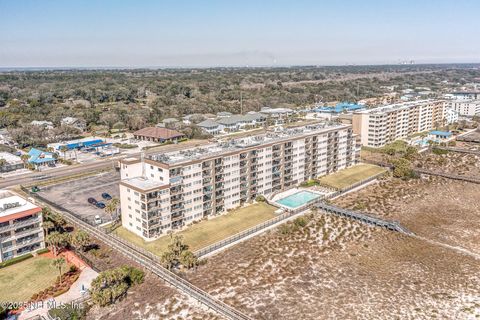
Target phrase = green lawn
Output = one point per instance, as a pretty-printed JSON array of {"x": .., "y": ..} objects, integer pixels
[
  {"x": 207, "y": 232},
  {"x": 349, "y": 176},
  {"x": 20, "y": 281}
]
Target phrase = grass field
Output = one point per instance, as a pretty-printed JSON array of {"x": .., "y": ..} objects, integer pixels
[
  {"x": 347, "y": 177},
  {"x": 207, "y": 232},
  {"x": 20, "y": 281}
]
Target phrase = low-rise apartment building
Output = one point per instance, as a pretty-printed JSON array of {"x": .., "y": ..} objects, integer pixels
[
  {"x": 170, "y": 190},
  {"x": 382, "y": 125},
  {"x": 467, "y": 108},
  {"x": 21, "y": 229}
]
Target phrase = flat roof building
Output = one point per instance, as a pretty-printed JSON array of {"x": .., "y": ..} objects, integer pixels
[
  {"x": 169, "y": 190},
  {"x": 385, "y": 124},
  {"x": 157, "y": 134},
  {"x": 21, "y": 229},
  {"x": 12, "y": 162},
  {"x": 467, "y": 108}
]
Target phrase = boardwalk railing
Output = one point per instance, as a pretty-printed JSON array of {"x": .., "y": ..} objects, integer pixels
[
  {"x": 434, "y": 173},
  {"x": 459, "y": 150},
  {"x": 244, "y": 234},
  {"x": 149, "y": 261},
  {"x": 354, "y": 185},
  {"x": 288, "y": 214},
  {"x": 365, "y": 218}
]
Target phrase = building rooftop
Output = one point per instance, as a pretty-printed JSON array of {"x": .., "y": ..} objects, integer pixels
[
  {"x": 395, "y": 107},
  {"x": 209, "y": 123},
  {"x": 143, "y": 183},
  {"x": 224, "y": 146},
  {"x": 38, "y": 156},
  {"x": 10, "y": 158},
  {"x": 340, "y": 107},
  {"x": 158, "y": 133},
  {"x": 12, "y": 204},
  {"x": 441, "y": 133}
]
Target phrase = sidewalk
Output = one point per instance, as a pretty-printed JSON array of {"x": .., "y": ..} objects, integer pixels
[{"x": 75, "y": 292}]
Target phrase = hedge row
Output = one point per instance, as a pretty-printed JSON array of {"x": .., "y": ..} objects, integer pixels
[{"x": 15, "y": 260}]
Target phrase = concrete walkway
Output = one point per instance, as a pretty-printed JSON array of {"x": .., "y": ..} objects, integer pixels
[{"x": 75, "y": 292}]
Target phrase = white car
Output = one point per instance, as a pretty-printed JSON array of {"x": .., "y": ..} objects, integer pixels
[{"x": 98, "y": 220}]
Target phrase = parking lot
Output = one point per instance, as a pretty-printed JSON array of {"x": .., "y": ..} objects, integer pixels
[{"x": 73, "y": 195}]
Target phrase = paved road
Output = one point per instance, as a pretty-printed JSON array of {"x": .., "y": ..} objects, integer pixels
[
  {"x": 55, "y": 173},
  {"x": 31, "y": 177}
]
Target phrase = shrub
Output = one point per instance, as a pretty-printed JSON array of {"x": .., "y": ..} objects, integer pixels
[
  {"x": 439, "y": 151},
  {"x": 300, "y": 222},
  {"x": 112, "y": 285},
  {"x": 309, "y": 183},
  {"x": 67, "y": 312},
  {"x": 15, "y": 260},
  {"x": 260, "y": 198},
  {"x": 42, "y": 251}
]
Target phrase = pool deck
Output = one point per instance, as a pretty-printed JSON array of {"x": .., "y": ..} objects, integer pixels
[{"x": 290, "y": 192}]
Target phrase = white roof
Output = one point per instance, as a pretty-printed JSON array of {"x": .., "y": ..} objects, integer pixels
[
  {"x": 144, "y": 183},
  {"x": 10, "y": 198},
  {"x": 10, "y": 158}
]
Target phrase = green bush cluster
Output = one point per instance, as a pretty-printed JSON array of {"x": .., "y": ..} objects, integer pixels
[
  {"x": 15, "y": 260},
  {"x": 112, "y": 285}
]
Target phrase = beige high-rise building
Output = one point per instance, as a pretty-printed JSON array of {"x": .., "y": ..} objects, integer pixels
[
  {"x": 170, "y": 190},
  {"x": 382, "y": 125}
]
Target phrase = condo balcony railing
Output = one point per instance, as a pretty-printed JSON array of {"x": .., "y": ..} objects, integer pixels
[
  {"x": 20, "y": 245},
  {"x": 23, "y": 223}
]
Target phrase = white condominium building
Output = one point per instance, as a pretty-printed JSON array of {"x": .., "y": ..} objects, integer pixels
[
  {"x": 170, "y": 190},
  {"x": 465, "y": 107},
  {"x": 21, "y": 229},
  {"x": 382, "y": 125}
]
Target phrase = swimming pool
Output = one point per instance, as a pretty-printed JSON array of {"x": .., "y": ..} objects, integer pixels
[{"x": 298, "y": 199}]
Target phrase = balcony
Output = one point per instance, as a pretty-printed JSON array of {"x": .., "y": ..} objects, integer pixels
[
  {"x": 23, "y": 223},
  {"x": 177, "y": 217},
  {"x": 176, "y": 181}
]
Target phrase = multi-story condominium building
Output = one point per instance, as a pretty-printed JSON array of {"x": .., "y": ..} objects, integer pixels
[
  {"x": 382, "y": 125},
  {"x": 170, "y": 190},
  {"x": 21, "y": 229},
  {"x": 467, "y": 108},
  {"x": 451, "y": 115}
]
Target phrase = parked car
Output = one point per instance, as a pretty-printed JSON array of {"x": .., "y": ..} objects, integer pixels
[
  {"x": 35, "y": 189},
  {"x": 106, "y": 196},
  {"x": 92, "y": 201},
  {"x": 100, "y": 205},
  {"x": 98, "y": 220}
]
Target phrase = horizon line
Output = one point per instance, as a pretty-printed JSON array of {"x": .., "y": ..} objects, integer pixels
[{"x": 46, "y": 68}]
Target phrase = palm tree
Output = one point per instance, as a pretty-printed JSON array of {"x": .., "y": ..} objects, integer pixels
[
  {"x": 24, "y": 157},
  {"x": 188, "y": 259},
  {"x": 57, "y": 241},
  {"x": 59, "y": 263},
  {"x": 64, "y": 149},
  {"x": 112, "y": 207},
  {"x": 47, "y": 226},
  {"x": 81, "y": 239}
]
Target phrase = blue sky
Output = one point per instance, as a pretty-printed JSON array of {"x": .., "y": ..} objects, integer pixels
[{"x": 74, "y": 33}]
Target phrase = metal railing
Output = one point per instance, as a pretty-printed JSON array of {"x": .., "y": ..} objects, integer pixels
[
  {"x": 291, "y": 212},
  {"x": 433, "y": 173},
  {"x": 149, "y": 261},
  {"x": 241, "y": 235},
  {"x": 21, "y": 224},
  {"x": 365, "y": 218}
]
